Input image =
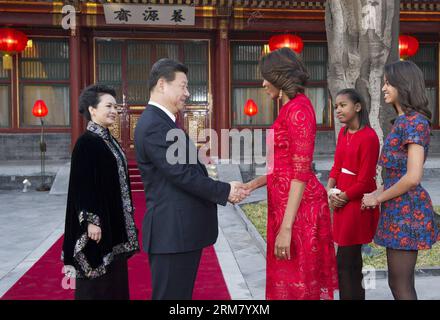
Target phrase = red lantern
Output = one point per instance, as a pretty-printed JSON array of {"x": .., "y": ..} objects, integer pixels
[
  {"x": 408, "y": 46},
  {"x": 40, "y": 109},
  {"x": 286, "y": 40},
  {"x": 250, "y": 108},
  {"x": 11, "y": 42}
]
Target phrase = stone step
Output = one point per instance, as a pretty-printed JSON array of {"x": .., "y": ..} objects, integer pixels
[
  {"x": 137, "y": 186},
  {"x": 135, "y": 178}
]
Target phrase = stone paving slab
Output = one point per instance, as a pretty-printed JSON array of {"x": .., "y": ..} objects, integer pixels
[
  {"x": 30, "y": 223},
  {"x": 250, "y": 260},
  {"x": 61, "y": 182},
  {"x": 237, "y": 286}
]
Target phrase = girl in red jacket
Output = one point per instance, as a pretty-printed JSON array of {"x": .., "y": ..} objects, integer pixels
[{"x": 353, "y": 174}]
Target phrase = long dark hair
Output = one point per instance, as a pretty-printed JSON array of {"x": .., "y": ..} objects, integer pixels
[
  {"x": 356, "y": 97},
  {"x": 285, "y": 71},
  {"x": 408, "y": 79}
]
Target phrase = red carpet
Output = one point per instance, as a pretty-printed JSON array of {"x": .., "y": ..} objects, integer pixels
[{"x": 44, "y": 280}]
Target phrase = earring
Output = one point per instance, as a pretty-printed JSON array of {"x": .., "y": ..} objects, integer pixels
[{"x": 280, "y": 94}]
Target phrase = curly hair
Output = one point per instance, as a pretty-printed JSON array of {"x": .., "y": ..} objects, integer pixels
[{"x": 285, "y": 71}]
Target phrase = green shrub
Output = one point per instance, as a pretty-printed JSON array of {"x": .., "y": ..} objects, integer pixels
[{"x": 257, "y": 214}]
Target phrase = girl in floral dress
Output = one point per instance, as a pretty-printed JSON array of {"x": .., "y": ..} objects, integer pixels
[{"x": 406, "y": 222}]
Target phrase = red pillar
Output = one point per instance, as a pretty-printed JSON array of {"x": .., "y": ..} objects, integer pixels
[
  {"x": 75, "y": 78},
  {"x": 222, "y": 89}
]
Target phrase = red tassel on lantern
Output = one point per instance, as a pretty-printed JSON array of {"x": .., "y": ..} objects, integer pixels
[{"x": 7, "y": 62}]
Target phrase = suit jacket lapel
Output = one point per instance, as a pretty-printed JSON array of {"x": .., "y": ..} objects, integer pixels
[{"x": 164, "y": 116}]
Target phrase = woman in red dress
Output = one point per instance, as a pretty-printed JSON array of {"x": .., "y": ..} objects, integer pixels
[
  {"x": 301, "y": 262},
  {"x": 353, "y": 174}
]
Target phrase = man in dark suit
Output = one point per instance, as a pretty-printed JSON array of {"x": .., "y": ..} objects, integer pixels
[{"x": 181, "y": 217}]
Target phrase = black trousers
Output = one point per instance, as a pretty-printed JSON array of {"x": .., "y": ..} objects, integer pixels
[
  {"x": 111, "y": 286},
  {"x": 173, "y": 275}
]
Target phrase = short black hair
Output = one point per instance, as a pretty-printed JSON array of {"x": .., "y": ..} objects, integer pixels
[
  {"x": 165, "y": 68},
  {"x": 90, "y": 97}
]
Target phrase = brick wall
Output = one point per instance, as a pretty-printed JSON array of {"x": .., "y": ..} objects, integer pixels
[{"x": 20, "y": 146}]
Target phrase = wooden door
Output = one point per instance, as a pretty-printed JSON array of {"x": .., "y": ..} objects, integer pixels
[{"x": 123, "y": 129}]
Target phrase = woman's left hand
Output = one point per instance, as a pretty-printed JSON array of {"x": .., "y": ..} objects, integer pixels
[
  {"x": 282, "y": 243},
  {"x": 370, "y": 201},
  {"x": 94, "y": 232},
  {"x": 337, "y": 201}
]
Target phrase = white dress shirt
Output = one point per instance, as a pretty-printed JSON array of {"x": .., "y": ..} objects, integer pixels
[{"x": 161, "y": 107}]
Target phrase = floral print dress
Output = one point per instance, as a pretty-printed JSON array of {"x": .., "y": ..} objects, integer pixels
[{"x": 406, "y": 222}]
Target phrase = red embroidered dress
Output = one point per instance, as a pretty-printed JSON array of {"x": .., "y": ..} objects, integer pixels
[{"x": 311, "y": 272}]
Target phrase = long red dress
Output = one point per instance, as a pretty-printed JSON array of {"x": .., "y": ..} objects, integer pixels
[
  {"x": 358, "y": 153},
  {"x": 311, "y": 273}
]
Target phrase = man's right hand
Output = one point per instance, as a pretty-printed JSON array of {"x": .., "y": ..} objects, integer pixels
[{"x": 238, "y": 192}]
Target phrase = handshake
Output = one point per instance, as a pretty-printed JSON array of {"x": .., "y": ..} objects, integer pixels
[{"x": 238, "y": 192}]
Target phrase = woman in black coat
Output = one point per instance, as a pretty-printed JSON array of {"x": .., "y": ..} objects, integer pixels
[{"x": 100, "y": 233}]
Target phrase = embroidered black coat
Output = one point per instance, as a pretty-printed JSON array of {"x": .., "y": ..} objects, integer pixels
[{"x": 99, "y": 193}]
